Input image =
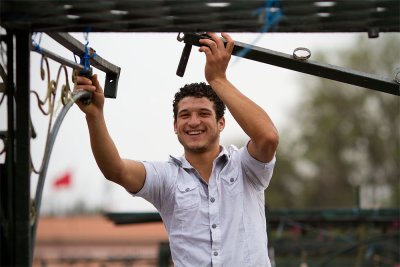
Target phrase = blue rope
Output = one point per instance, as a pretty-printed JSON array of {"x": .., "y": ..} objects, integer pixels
[
  {"x": 270, "y": 20},
  {"x": 85, "y": 56},
  {"x": 37, "y": 44}
]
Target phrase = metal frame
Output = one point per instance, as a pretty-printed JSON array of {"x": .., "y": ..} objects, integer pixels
[
  {"x": 17, "y": 210},
  {"x": 112, "y": 71},
  {"x": 290, "y": 62},
  {"x": 15, "y": 186}
]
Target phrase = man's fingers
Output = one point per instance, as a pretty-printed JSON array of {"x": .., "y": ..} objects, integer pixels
[
  {"x": 83, "y": 80},
  {"x": 217, "y": 40},
  {"x": 83, "y": 83},
  {"x": 91, "y": 88},
  {"x": 205, "y": 49},
  {"x": 209, "y": 43},
  {"x": 229, "y": 42},
  {"x": 96, "y": 83},
  {"x": 93, "y": 85}
]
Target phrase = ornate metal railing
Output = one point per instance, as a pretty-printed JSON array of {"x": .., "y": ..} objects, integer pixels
[{"x": 19, "y": 213}]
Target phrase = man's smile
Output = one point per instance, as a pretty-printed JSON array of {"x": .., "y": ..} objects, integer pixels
[{"x": 194, "y": 132}]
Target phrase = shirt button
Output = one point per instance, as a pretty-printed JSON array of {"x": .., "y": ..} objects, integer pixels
[
  {"x": 212, "y": 200},
  {"x": 215, "y": 253},
  {"x": 214, "y": 226},
  {"x": 232, "y": 180}
]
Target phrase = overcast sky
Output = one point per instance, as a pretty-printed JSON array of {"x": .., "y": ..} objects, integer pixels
[{"x": 140, "y": 118}]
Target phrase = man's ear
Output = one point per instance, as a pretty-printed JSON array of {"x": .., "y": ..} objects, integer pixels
[
  {"x": 221, "y": 124},
  {"x": 175, "y": 129}
]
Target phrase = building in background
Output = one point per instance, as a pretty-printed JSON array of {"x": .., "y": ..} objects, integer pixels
[{"x": 93, "y": 240}]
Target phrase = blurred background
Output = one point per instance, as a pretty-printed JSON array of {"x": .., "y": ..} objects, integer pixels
[
  {"x": 335, "y": 193},
  {"x": 333, "y": 135}
]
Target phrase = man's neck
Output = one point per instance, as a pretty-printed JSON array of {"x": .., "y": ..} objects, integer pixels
[{"x": 203, "y": 162}]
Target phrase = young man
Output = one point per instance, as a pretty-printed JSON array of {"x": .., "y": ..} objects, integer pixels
[{"x": 211, "y": 199}]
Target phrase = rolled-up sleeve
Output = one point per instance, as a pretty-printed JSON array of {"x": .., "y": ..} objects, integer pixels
[
  {"x": 152, "y": 189},
  {"x": 258, "y": 173}
]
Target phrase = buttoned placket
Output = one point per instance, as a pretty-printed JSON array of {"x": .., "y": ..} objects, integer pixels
[
  {"x": 214, "y": 216},
  {"x": 211, "y": 191}
]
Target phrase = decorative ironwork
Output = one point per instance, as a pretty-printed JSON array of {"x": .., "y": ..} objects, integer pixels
[
  {"x": 47, "y": 105},
  {"x": 67, "y": 98}
]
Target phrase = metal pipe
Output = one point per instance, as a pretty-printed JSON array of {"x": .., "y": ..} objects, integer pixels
[
  {"x": 46, "y": 159},
  {"x": 112, "y": 71},
  {"x": 57, "y": 58},
  {"x": 307, "y": 66}
]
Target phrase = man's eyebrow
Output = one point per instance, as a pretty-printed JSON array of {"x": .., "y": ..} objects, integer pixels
[
  {"x": 206, "y": 110},
  {"x": 200, "y": 109},
  {"x": 182, "y": 111}
]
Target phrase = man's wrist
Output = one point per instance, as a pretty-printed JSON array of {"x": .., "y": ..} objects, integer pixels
[
  {"x": 218, "y": 83},
  {"x": 94, "y": 117}
]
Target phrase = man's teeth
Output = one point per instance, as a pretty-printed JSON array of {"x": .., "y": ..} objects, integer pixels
[{"x": 194, "y": 132}]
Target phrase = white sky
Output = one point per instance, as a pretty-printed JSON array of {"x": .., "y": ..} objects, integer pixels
[{"x": 140, "y": 118}]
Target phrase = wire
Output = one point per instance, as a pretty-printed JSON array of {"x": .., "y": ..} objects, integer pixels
[{"x": 272, "y": 14}]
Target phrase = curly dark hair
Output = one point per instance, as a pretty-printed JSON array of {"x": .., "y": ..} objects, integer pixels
[{"x": 199, "y": 90}]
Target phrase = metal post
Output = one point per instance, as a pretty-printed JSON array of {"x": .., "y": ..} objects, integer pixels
[
  {"x": 15, "y": 179},
  {"x": 7, "y": 255},
  {"x": 21, "y": 181}
]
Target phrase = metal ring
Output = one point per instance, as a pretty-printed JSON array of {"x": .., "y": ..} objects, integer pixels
[
  {"x": 301, "y": 57},
  {"x": 397, "y": 75},
  {"x": 179, "y": 37}
]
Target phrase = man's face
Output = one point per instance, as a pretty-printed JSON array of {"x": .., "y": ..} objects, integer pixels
[{"x": 196, "y": 125}]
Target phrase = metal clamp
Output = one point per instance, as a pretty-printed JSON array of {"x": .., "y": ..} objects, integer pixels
[{"x": 299, "y": 51}]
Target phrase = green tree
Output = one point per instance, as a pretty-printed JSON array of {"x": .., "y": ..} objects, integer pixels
[{"x": 342, "y": 137}]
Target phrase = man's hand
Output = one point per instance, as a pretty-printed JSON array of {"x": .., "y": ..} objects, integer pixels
[
  {"x": 97, "y": 102},
  {"x": 217, "y": 56}
]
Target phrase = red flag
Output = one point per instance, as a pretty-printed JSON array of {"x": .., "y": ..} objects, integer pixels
[{"x": 64, "y": 180}]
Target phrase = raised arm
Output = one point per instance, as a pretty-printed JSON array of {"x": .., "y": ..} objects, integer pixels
[
  {"x": 252, "y": 118},
  {"x": 128, "y": 173}
]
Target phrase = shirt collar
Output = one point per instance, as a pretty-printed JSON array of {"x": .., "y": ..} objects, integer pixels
[{"x": 182, "y": 162}]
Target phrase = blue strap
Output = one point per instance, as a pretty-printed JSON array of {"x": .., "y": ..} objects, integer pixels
[
  {"x": 85, "y": 57},
  {"x": 37, "y": 44},
  {"x": 271, "y": 18}
]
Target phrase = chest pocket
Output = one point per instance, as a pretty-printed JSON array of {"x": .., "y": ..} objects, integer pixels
[
  {"x": 187, "y": 195},
  {"x": 231, "y": 181}
]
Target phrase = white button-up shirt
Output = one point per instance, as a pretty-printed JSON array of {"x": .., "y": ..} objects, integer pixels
[{"x": 221, "y": 223}]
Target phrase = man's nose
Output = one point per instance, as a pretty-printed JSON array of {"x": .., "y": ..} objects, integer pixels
[{"x": 194, "y": 120}]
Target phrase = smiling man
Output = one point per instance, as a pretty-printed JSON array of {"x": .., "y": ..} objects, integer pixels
[{"x": 211, "y": 198}]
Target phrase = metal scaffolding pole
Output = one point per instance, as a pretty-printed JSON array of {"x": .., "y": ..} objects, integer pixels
[
  {"x": 287, "y": 61},
  {"x": 15, "y": 185},
  {"x": 23, "y": 136}
]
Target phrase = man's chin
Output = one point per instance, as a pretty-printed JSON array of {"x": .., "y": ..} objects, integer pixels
[{"x": 196, "y": 149}]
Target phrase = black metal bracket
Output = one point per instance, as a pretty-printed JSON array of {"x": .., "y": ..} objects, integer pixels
[
  {"x": 112, "y": 71},
  {"x": 290, "y": 62}
]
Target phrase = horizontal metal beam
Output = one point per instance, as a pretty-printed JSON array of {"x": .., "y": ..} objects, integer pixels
[
  {"x": 132, "y": 218},
  {"x": 112, "y": 71},
  {"x": 307, "y": 66},
  {"x": 57, "y": 58},
  {"x": 337, "y": 216}
]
